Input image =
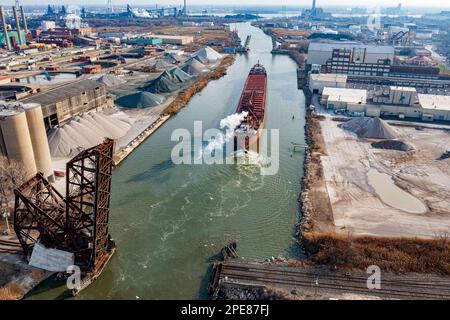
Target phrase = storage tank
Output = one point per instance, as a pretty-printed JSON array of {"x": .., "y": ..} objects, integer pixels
[
  {"x": 36, "y": 126},
  {"x": 16, "y": 139}
]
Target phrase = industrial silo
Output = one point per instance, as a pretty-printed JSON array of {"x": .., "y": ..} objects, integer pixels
[
  {"x": 16, "y": 138},
  {"x": 39, "y": 140}
]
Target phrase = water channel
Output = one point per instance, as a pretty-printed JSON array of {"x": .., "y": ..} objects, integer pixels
[{"x": 169, "y": 220}]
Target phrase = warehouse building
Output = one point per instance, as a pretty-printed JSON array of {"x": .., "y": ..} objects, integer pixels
[
  {"x": 343, "y": 98},
  {"x": 176, "y": 40},
  {"x": 319, "y": 53},
  {"x": 144, "y": 41},
  {"x": 318, "y": 81},
  {"x": 401, "y": 102},
  {"x": 65, "y": 102}
]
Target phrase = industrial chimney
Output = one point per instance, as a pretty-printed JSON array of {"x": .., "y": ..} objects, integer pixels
[
  {"x": 25, "y": 26},
  {"x": 19, "y": 33},
  {"x": 5, "y": 31},
  {"x": 185, "y": 8}
]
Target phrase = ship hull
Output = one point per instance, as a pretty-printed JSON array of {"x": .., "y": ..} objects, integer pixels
[{"x": 253, "y": 102}]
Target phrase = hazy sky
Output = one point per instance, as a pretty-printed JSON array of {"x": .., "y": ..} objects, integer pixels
[{"x": 423, "y": 3}]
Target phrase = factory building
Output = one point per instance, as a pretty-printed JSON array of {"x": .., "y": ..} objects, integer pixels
[
  {"x": 319, "y": 53},
  {"x": 400, "y": 102},
  {"x": 144, "y": 41},
  {"x": 13, "y": 36},
  {"x": 62, "y": 103},
  {"x": 23, "y": 138},
  {"x": 176, "y": 40},
  {"x": 343, "y": 98},
  {"x": 318, "y": 81}
]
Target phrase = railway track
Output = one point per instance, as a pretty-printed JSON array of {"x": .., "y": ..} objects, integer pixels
[{"x": 325, "y": 282}]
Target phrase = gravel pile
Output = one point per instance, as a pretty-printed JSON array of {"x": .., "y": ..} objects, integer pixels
[
  {"x": 371, "y": 128},
  {"x": 84, "y": 132},
  {"x": 392, "y": 145},
  {"x": 161, "y": 64},
  {"x": 110, "y": 80},
  {"x": 169, "y": 81},
  {"x": 140, "y": 100},
  {"x": 194, "y": 67},
  {"x": 207, "y": 53}
]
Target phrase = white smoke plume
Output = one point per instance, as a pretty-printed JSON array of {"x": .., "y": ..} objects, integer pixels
[{"x": 230, "y": 123}]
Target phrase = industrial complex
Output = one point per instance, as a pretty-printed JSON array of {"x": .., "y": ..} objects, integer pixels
[
  {"x": 81, "y": 88},
  {"x": 77, "y": 99}
]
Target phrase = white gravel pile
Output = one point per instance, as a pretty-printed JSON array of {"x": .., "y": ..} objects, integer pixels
[
  {"x": 85, "y": 132},
  {"x": 207, "y": 53},
  {"x": 371, "y": 128}
]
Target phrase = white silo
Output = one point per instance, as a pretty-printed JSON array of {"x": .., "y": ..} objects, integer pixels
[
  {"x": 36, "y": 126},
  {"x": 16, "y": 139}
]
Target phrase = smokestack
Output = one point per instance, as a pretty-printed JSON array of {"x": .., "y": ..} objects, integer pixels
[
  {"x": 5, "y": 31},
  {"x": 25, "y": 26},
  {"x": 16, "y": 17},
  {"x": 185, "y": 8}
]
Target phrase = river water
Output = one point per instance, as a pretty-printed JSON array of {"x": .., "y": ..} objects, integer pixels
[{"x": 169, "y": 220}]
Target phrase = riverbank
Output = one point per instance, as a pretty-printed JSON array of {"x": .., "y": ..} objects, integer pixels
[
  {"x": 343, "y": 246},
  {"x": 185, "y": 95},
  {"x": 17, "y": 278},
  {"x": 170, "y": 108}
]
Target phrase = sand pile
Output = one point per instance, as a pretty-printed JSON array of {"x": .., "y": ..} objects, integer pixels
[
  {"x": 110, "y": 80},
  {"x": 85, "y": 132},
  {"x": 170, "y": 80},
  {"x": 372, "y": 128},
  {"x": 140, "y": 100},
  {"x": 194, "y": 67},
  {"x": 392, "y": 145},
  {"x": 207, "y": 53}
]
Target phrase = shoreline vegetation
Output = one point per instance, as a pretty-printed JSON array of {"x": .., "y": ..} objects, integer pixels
[
  {"x": 185, "y": 95},
  {"x": 180, "y": 100},
  {"x": 316, "y": 230}
]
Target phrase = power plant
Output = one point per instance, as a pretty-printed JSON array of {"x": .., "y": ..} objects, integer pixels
[
  {"x": 16, "y": 18},
  {"x": 18, "y": 37},
  {"x": 5, "y": 30}
]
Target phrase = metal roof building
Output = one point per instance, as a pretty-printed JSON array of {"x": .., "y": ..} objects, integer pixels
[
  {"x": 64, "y": 102},
  {"x": 320, "y": 52}
]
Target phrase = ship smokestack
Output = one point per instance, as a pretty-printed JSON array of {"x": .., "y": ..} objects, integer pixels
[
  {"x": 24, "y": 19},
  {"x": 5, "y": 31},
  {"x": 19, "y": 33}
]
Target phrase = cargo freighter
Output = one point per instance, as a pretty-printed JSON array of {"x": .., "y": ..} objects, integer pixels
[{"x": 253, "y": 103}]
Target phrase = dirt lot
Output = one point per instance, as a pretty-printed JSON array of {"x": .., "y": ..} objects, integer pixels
[
  {"x": 280, "y": 32},
  {"x": 358, "y": 208}
]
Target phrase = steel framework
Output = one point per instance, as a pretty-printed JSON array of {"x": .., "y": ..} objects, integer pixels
[
  {"x": 88, "y": 186},
  {"x": 39, "y": 213},
  {"x": 78, "y": 223}
]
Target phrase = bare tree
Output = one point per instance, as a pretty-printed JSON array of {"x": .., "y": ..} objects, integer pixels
[{"x": 12, "y": 176}]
